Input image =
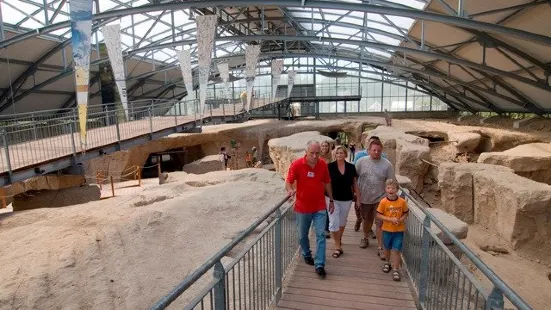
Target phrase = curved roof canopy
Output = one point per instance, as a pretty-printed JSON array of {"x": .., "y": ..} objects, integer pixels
[{"x": 491, "y": 55}]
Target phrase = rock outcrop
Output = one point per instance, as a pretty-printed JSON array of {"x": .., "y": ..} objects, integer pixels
[
  {"x": 253, "y": 133},
  {"x": 406, "y": 152},
  {"x": 206, "y": 164},
  {"x": 456, "y": 187},
  {"x": 56, "y": 198},
  {"x": 466, "y": 142},
  {"x": 532, "y": 160},
  {"x": 283, "y": 151},
  {"x": 457, "y": 227},
  {"x": 518, "y": 210},
  {"x": 44, "y": 182}
]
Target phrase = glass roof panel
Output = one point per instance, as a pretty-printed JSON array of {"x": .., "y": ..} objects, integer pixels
[{"x": 29, "y": 14}]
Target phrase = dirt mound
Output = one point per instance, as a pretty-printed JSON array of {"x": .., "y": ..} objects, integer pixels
[{"x": 128, "y": 251}]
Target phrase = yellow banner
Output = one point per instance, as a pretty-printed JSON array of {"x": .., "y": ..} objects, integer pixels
[{"x": 82, "y": 119}]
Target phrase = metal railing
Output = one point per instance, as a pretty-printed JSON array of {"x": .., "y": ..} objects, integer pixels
[
  {"x": 254, "y": 278},
  {"x": 439, "y": 278},
  {"x": 30, "y": 138}
]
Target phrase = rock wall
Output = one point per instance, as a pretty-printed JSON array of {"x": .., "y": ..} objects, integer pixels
[
  {"x": 284, "y": 151},
  {"x": 532, "y": 160},
  {"x": 406, "y": 152},
  {"x": 456, "y": 187},
  {"x": 44, "y": 182},
  {"x": 56, "y": 198},
  {"x": 247, "y": 135},
  {"x": 516, "y": 209}
]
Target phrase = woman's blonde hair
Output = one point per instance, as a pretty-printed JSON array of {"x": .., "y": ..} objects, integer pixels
[{"x": 341, "y": 147}]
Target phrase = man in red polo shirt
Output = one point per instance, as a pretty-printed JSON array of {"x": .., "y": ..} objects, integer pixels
[{"x": 312, "y": 182}]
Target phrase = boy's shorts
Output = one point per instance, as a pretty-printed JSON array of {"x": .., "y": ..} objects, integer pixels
[{"x": 393, "y": 240}]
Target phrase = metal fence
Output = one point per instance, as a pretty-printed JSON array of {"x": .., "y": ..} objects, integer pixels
[
  {"x": 254, "y": 278},
  {"x": 439, "y": 278},
  {"x": 31, "y": 138}
]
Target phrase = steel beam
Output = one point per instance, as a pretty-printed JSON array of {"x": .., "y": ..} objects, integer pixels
[
  {"x": 20, "y": 80},
  {"x": 382, "y": 46},
  {"x": 510, "y": 8},
  {"x": 360, "y": 7}
]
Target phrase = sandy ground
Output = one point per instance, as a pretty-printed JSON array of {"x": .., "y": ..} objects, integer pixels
[
  {"x": 528, "y": 278},
  {"x": 127, "y": 252}
]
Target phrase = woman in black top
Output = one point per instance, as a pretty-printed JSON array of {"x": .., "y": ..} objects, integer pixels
[{"x": 344, "y": 185}]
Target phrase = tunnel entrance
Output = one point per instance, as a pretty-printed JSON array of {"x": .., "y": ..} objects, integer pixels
[
  {"x": 340, "y": 135},
  {"x": 170, "y": 160}
]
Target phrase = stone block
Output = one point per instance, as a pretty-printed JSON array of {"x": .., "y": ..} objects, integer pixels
[
  {"x": 456, "y": 187},
  {"x": 457, "y": 227},
  {"x": 283, "y": 151},
  {"x": 531, "y": 160},
  {"x": 56, "y": 198},
  {"x": 206, "y": 164}
]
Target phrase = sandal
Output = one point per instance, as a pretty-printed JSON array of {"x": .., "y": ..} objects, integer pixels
[
  {"x": 396, "y": 276},
  {"x": 381, "y": 253},
  {"x": 387, "y": 267},
  {"x": 337, "y": 253}
]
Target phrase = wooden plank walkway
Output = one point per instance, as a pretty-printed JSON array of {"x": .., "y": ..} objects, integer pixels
[{"x": 354, "y": 280}]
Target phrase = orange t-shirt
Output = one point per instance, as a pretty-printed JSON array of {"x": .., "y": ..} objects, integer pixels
[{"x": 393, "y": 208}]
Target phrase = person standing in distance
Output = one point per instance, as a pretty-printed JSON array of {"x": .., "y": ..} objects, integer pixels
[
  {"x": 312, "y": 183},
  {"x": 373, "y": 171}
]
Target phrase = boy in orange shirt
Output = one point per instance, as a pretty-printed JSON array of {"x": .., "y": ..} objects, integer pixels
[{"x": 393, "y": 211}]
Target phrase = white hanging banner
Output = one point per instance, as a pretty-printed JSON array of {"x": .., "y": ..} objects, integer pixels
[
  {"x": 184, "y": 58},
  {"x": 251, "y": 60},
  {"x": 112, "y": 38},
  {"x": 277, "y": 67},
  {"x": 290, "y": 81},
  {"x": 224, "y": 69},
  {"x": 80, "y": 12},
  {"x": 206, "y": 29}
]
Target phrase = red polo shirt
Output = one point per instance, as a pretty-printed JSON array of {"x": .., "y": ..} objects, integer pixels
[{"x": 310, "y": 197}]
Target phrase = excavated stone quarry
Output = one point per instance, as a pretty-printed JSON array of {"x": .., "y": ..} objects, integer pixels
[{"x": 482, "y": 176}]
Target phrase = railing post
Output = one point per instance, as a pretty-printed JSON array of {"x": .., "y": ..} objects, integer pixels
[
  {"x": 495, "y": 300},
  {"x": 278, "y": 256},
  {"x": 210, "y": 109},
  {"x": 107, "y": 121},
  {"x": 224, "y": 111},
  {"x": 34, "y": 126},
  {"x": 73, "y": 145},
  {"x": 150, "y": 123},
  {"x": 118, "y": 131},
  {"x": 7, "y": 154},
  {"x": 195, "y": 107},
  {"x": 220, "y": 286},
  {"x": 424, "y": 264},
  {"x": 175, "y": 119}
]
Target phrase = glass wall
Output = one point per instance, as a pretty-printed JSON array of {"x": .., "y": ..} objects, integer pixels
[{"x": 379, "y": 91}]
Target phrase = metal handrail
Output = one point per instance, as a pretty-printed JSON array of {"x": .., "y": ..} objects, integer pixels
[
  {"x": 214, "y": 260},
  {"x": 54, "y": 111},
  {"x": 500, "y": 288}
]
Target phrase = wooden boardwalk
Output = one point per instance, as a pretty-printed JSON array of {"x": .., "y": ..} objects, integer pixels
[
  {"x": 354, "y": 280},
  {"x": 35, "y": 152}
]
